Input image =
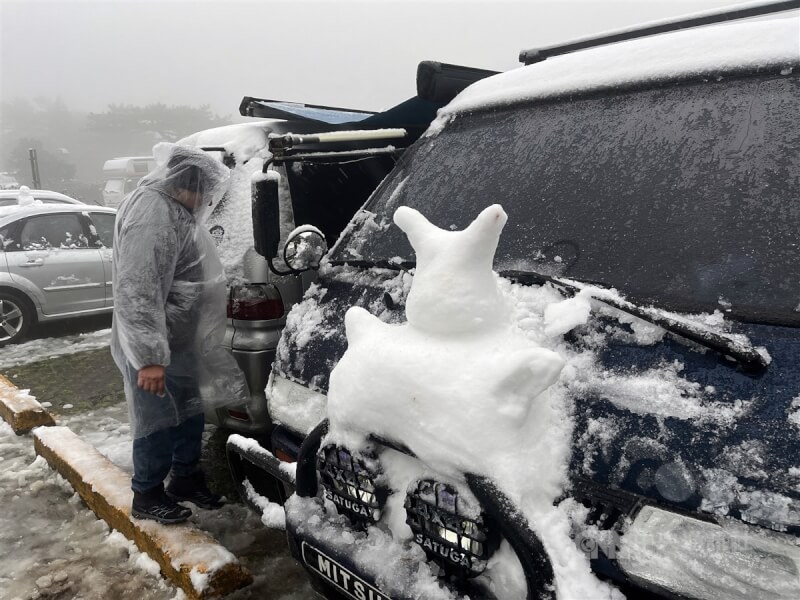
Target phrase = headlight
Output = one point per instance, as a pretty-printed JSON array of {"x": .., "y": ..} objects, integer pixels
[
  {"x": 294, "y": 405},
  {"x": 450, "y": 528},
  {"x": 351, "y": 483},
  {"x": 704, "y": 560}
]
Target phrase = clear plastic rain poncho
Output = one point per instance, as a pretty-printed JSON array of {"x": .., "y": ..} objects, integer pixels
[{"x": 170, "y": 292}]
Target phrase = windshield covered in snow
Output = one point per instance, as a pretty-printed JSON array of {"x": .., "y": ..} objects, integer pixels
[{"x": 684, "y": 197}]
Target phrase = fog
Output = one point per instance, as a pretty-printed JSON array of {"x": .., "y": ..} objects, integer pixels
[
  {"x": 85, "y": 81},
  {"x": 340, "y": 53}
]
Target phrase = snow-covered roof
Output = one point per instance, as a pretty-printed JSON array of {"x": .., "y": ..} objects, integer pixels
[
  {"x": 704, "y": 51},
  {"x": 41, "y": 194},
  {"x": 243, "y": 140},
  {"x": 131, "y": 165}
]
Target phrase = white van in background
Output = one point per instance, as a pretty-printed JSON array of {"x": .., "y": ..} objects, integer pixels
[{"x": 121, "y": 176}]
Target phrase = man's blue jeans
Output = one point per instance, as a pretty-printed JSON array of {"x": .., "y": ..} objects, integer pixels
[
  {"x": 175, "y": 448},
  {"x": 169, "y": 447}
]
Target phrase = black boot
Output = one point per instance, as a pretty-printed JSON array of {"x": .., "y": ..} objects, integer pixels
[
  {"x": 156, "y": 505},
  {"x": 193, "y": 489}
]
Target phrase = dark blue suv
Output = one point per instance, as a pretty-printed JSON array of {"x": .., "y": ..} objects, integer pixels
[{"x": 668, "y": 169}]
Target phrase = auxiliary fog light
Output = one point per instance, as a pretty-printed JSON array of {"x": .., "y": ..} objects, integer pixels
[
  {"x": 704, "y": 560},
  {"x": 350, "y": 482},
  {"x": 450, "y": 528}
]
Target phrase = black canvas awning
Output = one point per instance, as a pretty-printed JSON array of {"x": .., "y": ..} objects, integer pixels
[{"x": 437, "y": 84}]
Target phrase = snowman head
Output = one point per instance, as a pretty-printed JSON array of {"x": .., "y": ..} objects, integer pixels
[{"x": 458, "y": 262}]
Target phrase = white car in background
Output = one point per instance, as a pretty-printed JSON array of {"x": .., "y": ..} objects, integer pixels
[{"x": 55, "y": 263}]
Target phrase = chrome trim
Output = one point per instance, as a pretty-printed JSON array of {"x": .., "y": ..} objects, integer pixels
[
  {"x": 41, "y": 317},
  {"x": 77, "y": 286}
]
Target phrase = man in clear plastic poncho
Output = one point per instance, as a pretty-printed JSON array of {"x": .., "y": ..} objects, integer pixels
[{"x": 169, "y": 321}]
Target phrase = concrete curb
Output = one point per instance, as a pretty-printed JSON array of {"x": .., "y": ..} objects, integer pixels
[
  {"x": 20, "y": 409},
  {"x": 190, "y": 558}
]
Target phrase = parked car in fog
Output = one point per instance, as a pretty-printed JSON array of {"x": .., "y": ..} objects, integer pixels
[
  {"x": 8, "y": 181},
  {"x": 122, "y": 175},
  {"x": 55, "y": 263},
  {"x": 670, "y": 178}
]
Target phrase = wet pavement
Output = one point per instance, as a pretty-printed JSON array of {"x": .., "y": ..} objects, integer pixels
[{"x": 52, "y": 546}]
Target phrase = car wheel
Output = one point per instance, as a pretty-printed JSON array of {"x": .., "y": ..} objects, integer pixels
[{"x": 16, "y": 316}]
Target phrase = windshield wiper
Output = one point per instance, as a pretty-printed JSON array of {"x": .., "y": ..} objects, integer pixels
[
  {"x": 379, "y": 264},
  {"x": 748, "y": 357}
]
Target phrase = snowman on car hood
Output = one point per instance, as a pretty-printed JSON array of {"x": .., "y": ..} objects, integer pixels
[
  {"x": 463, "y": 387},
  {"x": 458, "y": 383}
]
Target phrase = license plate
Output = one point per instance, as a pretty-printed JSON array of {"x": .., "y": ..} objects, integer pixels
[{"x": 342, "y": 578}]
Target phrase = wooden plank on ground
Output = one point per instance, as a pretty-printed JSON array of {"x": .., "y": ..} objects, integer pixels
[
  {"x": 21, "y": 410},
  {"x": 190, "y": 558}
]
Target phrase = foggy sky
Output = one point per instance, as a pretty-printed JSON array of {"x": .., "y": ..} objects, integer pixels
[{"x": 340, "y": 53}]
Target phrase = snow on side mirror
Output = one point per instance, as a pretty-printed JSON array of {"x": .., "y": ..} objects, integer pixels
[{"x": 304, "y": 248}]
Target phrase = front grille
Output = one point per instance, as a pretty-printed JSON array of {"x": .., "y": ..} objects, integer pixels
[
  {"x": 445, "y": 525},
  {"x": 351, "y": 482}
]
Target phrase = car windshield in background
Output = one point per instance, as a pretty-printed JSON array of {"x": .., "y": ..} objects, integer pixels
[{"x": 714, "y": 228}]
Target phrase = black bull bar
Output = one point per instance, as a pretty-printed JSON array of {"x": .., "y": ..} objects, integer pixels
[{"x": 512, "y": 523}]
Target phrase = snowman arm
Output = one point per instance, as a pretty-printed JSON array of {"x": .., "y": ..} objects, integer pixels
[{"x": 521, "y": 377}]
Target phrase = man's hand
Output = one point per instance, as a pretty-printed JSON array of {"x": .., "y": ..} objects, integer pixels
[{"x": 152, "y": 378}]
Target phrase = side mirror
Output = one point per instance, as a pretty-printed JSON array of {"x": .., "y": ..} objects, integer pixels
[
  {"x": 266, "y": 217},
  {"x": 304, "y": 248}
]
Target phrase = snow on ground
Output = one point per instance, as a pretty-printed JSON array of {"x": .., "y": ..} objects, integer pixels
[
  {"x": 41, "y": 349},
  {"x": 52, "y": 545}
]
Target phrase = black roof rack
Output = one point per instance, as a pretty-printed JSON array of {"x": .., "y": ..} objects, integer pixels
[{"x": 535, "y": 55}]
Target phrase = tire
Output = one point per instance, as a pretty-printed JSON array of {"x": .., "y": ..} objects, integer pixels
[{"x": 16, "y": 317}]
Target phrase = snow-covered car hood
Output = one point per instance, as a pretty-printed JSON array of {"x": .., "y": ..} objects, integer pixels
[{"x": 653, "y": 416}]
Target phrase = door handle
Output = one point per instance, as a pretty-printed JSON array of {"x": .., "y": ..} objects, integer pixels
[{"x": 35, "y": 262}]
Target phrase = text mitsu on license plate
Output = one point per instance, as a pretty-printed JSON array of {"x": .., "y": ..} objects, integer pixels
[{"x": 339, "y": 576}]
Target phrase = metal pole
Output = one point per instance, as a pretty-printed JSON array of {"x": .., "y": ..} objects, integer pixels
[{"x": 37, "y": 183}]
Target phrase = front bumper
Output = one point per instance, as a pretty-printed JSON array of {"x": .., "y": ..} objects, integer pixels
[
  {"x": 332, "y": 573},
  {"x": 343, "y": 562},
  {"x": 252, "y": 464}
]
